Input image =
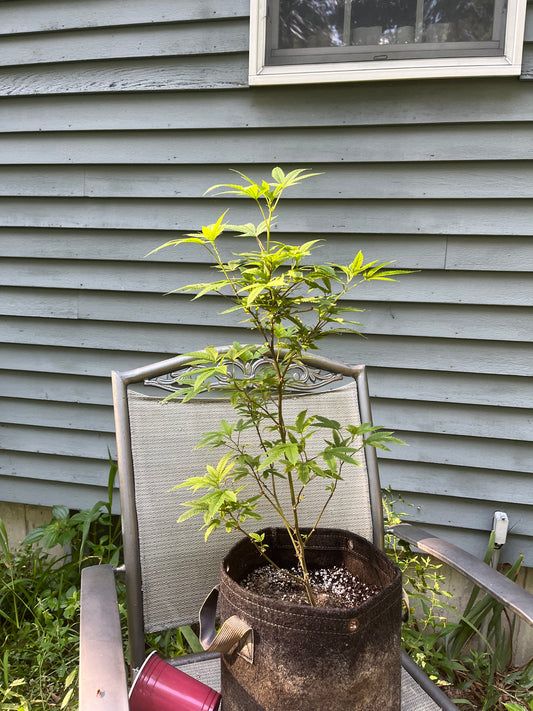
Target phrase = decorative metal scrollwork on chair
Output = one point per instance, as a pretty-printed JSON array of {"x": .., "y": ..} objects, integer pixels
[{"x": 304, "y": 378}]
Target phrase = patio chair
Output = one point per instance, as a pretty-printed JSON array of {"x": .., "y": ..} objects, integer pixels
[{"x": 169, "y": 569}]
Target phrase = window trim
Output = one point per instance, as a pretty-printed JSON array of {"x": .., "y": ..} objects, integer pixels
[{"x": 510, "y": 64}]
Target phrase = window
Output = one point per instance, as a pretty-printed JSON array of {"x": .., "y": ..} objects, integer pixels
[{"x": 300, "y": 41}]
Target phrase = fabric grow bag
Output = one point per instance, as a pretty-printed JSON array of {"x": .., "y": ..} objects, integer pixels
[{"x": 309, "y": 658}]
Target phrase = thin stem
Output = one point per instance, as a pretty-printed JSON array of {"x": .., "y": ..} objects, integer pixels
[
  {"x": 300, "y": 543},
  {"x": 261, "y": 550},
  {"x": 333, "y": 488}
]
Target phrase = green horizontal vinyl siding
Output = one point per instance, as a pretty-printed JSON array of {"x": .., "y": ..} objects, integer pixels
[
  {"x": 368, "y": 180},
  {"x": 474, "y": 217},
  {"x": 22, "y": 16},
  {"x": 425, "y": 104},
  {"x": 478, "y": 322},
  {"x": 147, "y": 41},
  {"x": 218, "y": 143},
  {"x": 115, "y": 118}
]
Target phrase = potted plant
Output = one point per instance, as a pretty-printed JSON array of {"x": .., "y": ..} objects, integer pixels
[{"x": 290, "y": 303}]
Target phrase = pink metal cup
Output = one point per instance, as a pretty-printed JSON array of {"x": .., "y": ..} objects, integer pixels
[{"x": 161, "y": 687}]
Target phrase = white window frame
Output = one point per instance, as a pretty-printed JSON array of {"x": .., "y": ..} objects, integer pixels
[{"x": 510, "y": 64}]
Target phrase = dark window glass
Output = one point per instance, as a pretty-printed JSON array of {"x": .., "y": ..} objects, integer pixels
[
  {"x": 311, "y": 23},
  {"x": 302, "y": 31}
]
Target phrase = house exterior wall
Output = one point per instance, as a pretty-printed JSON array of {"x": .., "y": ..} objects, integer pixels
[{"x": 115, "y": 118}]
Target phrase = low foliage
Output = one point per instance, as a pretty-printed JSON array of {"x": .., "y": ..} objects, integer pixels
[
  {"x": 40, "y": 605},
  {"x": 471, "y": 657},
  {"x": 92, "y": 536}
]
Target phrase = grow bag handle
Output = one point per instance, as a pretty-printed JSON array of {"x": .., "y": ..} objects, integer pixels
[{"x": 233, "y": 632}]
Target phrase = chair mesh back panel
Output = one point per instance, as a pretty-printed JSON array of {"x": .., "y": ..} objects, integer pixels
[{"x": 178, "y": 569}]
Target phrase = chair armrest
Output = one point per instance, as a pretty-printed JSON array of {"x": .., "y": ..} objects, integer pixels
[
  {"x": 488, "y": 579},
  {"x": 102, "y": 685}
]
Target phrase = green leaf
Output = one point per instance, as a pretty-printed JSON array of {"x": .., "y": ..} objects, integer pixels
[
  {"x": 35, "y": 535},
  {"x": 211, "y": 286},
  {"x": 300, "y": 421},
  {"x": 338, "y": 450},
  {"x": 194, "y": 238},
  {"x": 275, "y": 454},
  {"x": 304, "y": 473},
  {"x": 188, "y": 514},
  {"x": 326, "y": 422},
  {"x": 331, "y": 461},
  {"x": 278, "y": 175},
  {"x": 346, "y": 458},
  {"x": 357, "y": 263},
  {"x": 60, "y": 512},
  {"x": 247, "y": 230},
  {"x": 66, "y": 699},
  {"x": 231, "y": 310},
  {"x": 254, "y": 293},
  {"x": 379, "y": 438},
  {"x": 212, "y": 527},
  {"x": 211, "y": 232},
  {"x": 192, "y": 638},
  {"x": 291, "y": 452},
  {"x": 254, "y": 515}
]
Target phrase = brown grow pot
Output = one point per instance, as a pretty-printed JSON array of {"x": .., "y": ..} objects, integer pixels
[{"x": 314, "y": 658}]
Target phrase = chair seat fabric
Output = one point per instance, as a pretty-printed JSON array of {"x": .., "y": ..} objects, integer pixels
[{"x": 178, "y": 568}]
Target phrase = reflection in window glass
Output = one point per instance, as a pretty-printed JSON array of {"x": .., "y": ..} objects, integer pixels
[
  {"x": 469, "y": 20},
  {"x": 305, "y": 24},
  {"x": 311, "y": 23},
  {"x": 383, "y": 23}
]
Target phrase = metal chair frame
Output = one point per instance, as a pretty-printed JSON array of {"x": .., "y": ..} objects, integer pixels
[
  {"x": 102, "y": 683},
  {"x": 120, "y": 381}
]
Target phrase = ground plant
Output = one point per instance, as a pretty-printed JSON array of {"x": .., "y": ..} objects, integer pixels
[
  {"x": 40, "y": 606},
  {"x": 469, "y": 652},
  {"x": 40, "y": 603}
]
